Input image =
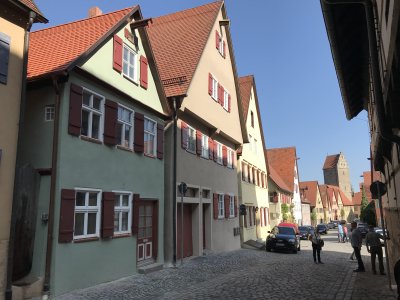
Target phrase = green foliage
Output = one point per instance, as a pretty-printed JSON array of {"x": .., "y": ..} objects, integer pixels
[
  {"x": 364, "y": 200},
  {"x": 342, "y": 213},
  {"x": 313, "y": 216},
  {"x": 284, "y": 208},
  {"x": 368, "y": 215},
  {"x": 285, "y": 217},
  {"x": 291, "y": 212}
]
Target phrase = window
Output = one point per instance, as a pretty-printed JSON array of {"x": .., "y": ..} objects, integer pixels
[
  {"x": 221, "y": 45},
  {"x": 49, "y": 111},
  {"x": 221, "y": 207},
  {"x": 92, "y": 115},
  {"x": 125, "y": 127},
  {"x": 87, "y": 214},
  {"x": 191, "y": 144},
  {"x": 226, "y": 100},
  {"x": 129, "y": 63},
  {"x": 150, "y": 128},
  {"x": 230, "y": 158},
  {"x": 122, "y": 213},
  {"x": 214, "y": 93},
  {"x": 252, "y": 118},
  {"x": 204, "y": 146},
  {"x": 231, "y": 206},
  {"x": 219, "y": 153},
  {"x": 5, "y": 41}
]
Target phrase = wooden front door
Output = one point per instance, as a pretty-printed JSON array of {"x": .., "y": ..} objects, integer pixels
[
  {"x": 147, "y": 230},
  {"x": 187, "y": 230}
]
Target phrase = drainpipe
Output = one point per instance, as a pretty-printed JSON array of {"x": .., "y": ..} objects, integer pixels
[
  {"x": 10, "y": 266},
  {"x": 53, "y": 191},
  {"x": 175, "y": 107}
]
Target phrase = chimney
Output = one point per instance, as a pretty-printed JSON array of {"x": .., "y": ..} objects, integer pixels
[{"x": 94, "y": 12}]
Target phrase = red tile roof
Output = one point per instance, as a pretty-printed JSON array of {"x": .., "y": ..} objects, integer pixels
[
  {"x": 310, "y": 189},
  {"x": 274, "y": 176},
  {"x": 283, "y": 160},
  {"x": 357, "y": 198},
  {"x": 54, "y": 49},
  {"x": 322, "y": 190},
  {"x": 32, "y": 6},
  {"x": 331, "y": 161},
  {"x": 245, "y": 84},
  {"x": 185, "y": 32},
  {"x": 345, "y": 200}
]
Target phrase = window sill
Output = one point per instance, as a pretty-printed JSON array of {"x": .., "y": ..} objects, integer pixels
[
  {"x": 121, "y": 235},
  {"x": 191, "y": 151},
  {"x": 149, "y": 155},
  {"x": 92, "y": 140},
  {"x": 124, "y": 148},
  {"x": 130, "y": 79},
  {"x": 89, "y": 239},
  {"x": 221, "y": 217}
]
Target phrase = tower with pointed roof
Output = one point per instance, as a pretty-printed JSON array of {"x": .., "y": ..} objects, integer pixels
[{"x": 337, "y": 172}]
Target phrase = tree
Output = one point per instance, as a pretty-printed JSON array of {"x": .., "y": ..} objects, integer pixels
[
  {"x": 291, "y": 212},
  {"x": 285, "y": 211},
  {"x": 364, "y": 202},
  {"x": 314, "y": 217},
  {"x": 368, "y": 215},
  {"x": 342, "y": 213}
]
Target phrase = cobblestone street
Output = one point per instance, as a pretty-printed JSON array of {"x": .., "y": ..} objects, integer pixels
[{"x": 252, "y": 274}]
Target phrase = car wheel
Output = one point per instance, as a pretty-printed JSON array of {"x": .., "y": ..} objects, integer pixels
[{"x": 295, "y": 251}]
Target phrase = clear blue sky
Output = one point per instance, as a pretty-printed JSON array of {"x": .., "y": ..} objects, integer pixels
[{"x": 284, "y": 44}]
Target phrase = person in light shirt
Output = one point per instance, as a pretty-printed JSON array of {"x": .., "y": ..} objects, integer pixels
[{"x": 373, "y": 243}]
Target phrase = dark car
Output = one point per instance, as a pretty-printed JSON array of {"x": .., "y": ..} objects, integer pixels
[
  {"x": 330, "y": 225},
  {"x": 304, "y": 232},
  {"x": 322, "y": 229},
  {"x": 363, "y": 227},
  {"x": 283, "y": 238}
]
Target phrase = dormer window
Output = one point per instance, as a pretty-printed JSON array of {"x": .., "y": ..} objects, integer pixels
[{"x": 129, "y": 65}]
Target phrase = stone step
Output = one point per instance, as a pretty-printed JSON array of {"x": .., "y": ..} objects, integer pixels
[
  {"x": 251, "y": 244},
  {"x": 150, "y": 268}
]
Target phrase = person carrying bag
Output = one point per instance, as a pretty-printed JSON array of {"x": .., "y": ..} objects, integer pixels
[{"x": 317, "y": 244}]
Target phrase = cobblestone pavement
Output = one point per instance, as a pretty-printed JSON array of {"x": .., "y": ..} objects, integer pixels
[{"x": 253, "y": 274}]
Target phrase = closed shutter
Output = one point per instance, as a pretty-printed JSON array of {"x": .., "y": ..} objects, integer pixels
[
  {"x": 110, "y": 122},
  {"x": 139, "y": 132},
  {"x": 226, "y": 206},
  {"x": 224, "y": 155},
  {"x": 184, "y": 135},
  {"x": 229, "y": 103},
  {"x": 160, "y": 141},
  {"x": 223, "y": 49},
  {"x": 233, "y": 153},
  {"x": 107, "y": 211},
  {"x": 262, "y": 180},
  {"x": 215, "y": 205},
  {"x": 210, "y": 84},
  {"x": 198, "y": 142},
  {"x": 243, "y": 171},
  {"x": 5, "y": 42},
  {"x": 67, "y": 210},
  {"x": 75, "y": 110},
  {"x": 258, "y": 178},
  {"x": 215, "y": 146},
  {"x": 117, "y": 59},
  {"x": 254, "y": 175},
  {"x": 143, "y": 72},
  {"x": 217, "y": 39},
  {"x": 135, "y": 214},
  {"x": 221, "y": 95},
  {"x": 127, "y": 33},
  {"x": 210, "y": 148},
  {"x": 236, "y": 206}
]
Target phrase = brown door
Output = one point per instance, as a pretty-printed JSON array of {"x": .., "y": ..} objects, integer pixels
[
  {"x": 147, "y": 231},
  {"x": 187, "y": 231}
]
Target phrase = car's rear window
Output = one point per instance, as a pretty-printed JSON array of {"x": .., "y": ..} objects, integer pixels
[
  {"x": 286, "y": 230},
  {"x": 303, "y": 228}
]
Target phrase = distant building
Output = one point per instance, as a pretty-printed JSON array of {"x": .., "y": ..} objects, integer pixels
[
  {"x": 312, "y": 194},
  {"x": 336, "y": 172}
]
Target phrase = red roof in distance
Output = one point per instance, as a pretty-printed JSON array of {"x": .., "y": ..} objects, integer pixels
[{"x": 331, "y": 161}]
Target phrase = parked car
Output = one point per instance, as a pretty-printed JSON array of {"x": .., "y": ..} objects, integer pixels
[
  {"x": 335, "y": 223},
  {"x": 363, "y": 227},
  {"x": 380, "y": 231},
  {"x": 322, "y": 228},
  {"x": 283, "y": 238},
  {"x": 293, "y": 225},
  {"x": 304, "y": 232},
  {"x": 330, "y": 225}
]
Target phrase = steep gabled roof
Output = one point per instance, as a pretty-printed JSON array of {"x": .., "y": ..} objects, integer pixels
[
  {"x": 55, "y": 49},
  {"x": 185, "y": 33},
  {"x": 283, "y": 160},
  {"x": 310, "y": 189},
  {"x": 346, "y": 201},
  {"x": 324, "y": 198},
  {"x": 274, "y": 176},
  {"x": 331, "y": 161}
]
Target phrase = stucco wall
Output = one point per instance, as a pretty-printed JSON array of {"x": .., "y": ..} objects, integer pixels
[{"x": 306, "y": 214}]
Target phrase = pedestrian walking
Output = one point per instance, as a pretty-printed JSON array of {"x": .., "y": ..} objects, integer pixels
[
  {"x": 340, "y": 232},
  {"x": 356, "y": 242},
  {"x": 373, "y": 243},
  {"x": 345, "y": 235},
  {"x": 352, "y": 254},
  {"x": 317, "y": 243}
]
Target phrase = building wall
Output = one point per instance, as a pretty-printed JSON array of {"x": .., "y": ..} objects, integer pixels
[
  {"x": 296, "y": 197},
  {"x": 319, "y": 209},
  {"x": 330, "y": 177},
  {"x": 343, "y": 172},
  {"x": 306, "y": 214},
  {"x": 10, "y": 96}
]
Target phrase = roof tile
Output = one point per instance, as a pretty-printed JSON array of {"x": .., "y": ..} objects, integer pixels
[
  {"x": 310, "y": 189},
  {"x": 283, "y": 160},
  {"x": 331, "y": 161},
  {"x": 245, "y": 85}
]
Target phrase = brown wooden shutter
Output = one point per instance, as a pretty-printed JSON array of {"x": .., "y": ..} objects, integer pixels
[
  {"x": 224, "y": 155},
  {"x": 160, "y": 141},
  {"x": 236, "y": 206},
  {"x": 135, "y": 214},
  {"x": 224, "y": 49},
  {"x": 215, "y": 146},
  {"x": 127, "y": 33},
  {"x": 117, "y": 59},
  {"x": 229, "y": 102},
  {"x": 110, "y": 122},
  {"x": 258, "y": 178},
  {"x": 107, "y": 211},
  {"x": 139, "y": 132},
  {"x": 226, "y": 206},
  {"x": 198, "y": 142},
  {"x": 210, "y": 84},
  {"x": 254, "y": 175},
  {"x": 215, "y": 205},
  {"x": 217, "y": 39},
  {"x": 184, "y": 135},
  {"x": 210, "y": 148},
  {"x": 143, "y": 72},
  {"x": 67, "y": 210},
  {"x": 75, "y": 110}
]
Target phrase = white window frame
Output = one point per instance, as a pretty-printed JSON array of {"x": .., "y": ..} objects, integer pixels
[
  {"x": 135, "y": 63},
  {"x": 214, "y": 93},
  {"x": 191, "y": 139},
  {"x": 49, "y": 113},
  {"x": 204, "y": 146},
  {"x": 86, "y": 210},
  {"x": 226, "y": 100},
  {"x": 219, "y": 153},
  {"x": 221, "y": 48},
  {"x": 221, "y": 206},
  {"x": 92, "y": 111},
  {"x": 150, "y": 133},
  {"x": 229, "y": 159},
  {"x": 120, "y": 209},
  {"x": 231, "y": 206},
  {"x": 124, "y": 123}
]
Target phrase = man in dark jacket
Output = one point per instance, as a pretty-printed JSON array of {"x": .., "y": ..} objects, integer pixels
[
  {"x": 373, "y": 243},
  {"x": 356, "y": 242}
]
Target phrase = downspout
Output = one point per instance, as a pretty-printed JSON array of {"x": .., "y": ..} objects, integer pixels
[
  {"x": 53, "y": 191},
  {"x": 174, "y": 219},
  {"x": 376, "y": 81},
  {"x": 10, "y": 265}
]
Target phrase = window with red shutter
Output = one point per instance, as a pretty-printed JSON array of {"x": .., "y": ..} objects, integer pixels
[
  {"x": 67, "y": 209},
  {"x": 210, "y": 148},
  {"x": 110, "y": 123},
  {"x": 215, "y": 146},
  {"x": 117, "y": 57},
  {"x": 139, "y": 132},
  {"x": 160, "y": 141},
  {"x": 217, "y": 39},
  {"x": 224, "y": 155},
  {"x": 210, "y": 84},
  {"x": 229, "y": 103},
  {"x": 143, "y": 72},
  {"x": 223, "y": 49},
  {"x": 135, "y": 215},
  {"x": 236, "y": 206},
  {"x": 215, "y": 206},
  {"x": 184, "y": 135},
  {"x": 199, "y": 148},
  {"x": 107, "y": 211},
  {"x": 226, "y": 206},
  {"x": 75, "y": 110}
]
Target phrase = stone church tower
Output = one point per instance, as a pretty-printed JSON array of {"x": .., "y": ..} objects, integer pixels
[{"x": 337, "y": 172}]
